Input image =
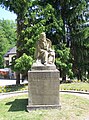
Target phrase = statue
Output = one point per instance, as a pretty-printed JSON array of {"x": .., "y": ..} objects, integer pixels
[
  {"x": 43, "y": 78},
  {"x": 44, "y": 53}
]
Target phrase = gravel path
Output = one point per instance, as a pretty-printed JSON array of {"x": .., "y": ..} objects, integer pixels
[
  {"x": 11, "y": 94},
  {"x": 7, "y": 95}
]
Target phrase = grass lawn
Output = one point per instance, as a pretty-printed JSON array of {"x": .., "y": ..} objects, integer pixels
[
  {"x": 81, "y": 86},
  {"x": 72, "y": 108}
]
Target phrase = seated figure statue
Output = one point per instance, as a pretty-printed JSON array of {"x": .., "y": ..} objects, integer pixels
[{"x": 44, "y": 52}]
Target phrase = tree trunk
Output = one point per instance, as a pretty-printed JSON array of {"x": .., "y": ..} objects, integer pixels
[
  {"x": 63, "y": 73},
  {"x": 19, "y": 50},
  {"x": 64, "y": 79},
  {"x": 17, "y": 78}
]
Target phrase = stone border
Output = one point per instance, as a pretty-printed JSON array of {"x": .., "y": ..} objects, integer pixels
[
  {"x": 15, "y": 92},
  {"x": 25, "y": 91},
  {"x": 73, "y": 91}
]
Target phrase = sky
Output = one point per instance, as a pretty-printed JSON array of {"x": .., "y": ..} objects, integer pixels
[{"x": 7, "y": 15}]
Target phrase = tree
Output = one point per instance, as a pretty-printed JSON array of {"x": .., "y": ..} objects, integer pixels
[
  {"x": 19, "y": 7},
  {"x": 3, "y": 46},
  {"x": 7, "y": 38},
  {"x": 63, "y": 61},
  {"x": 9, "y": 27},
  {"x": 80, "y": 61},
  {"x": 23, "y": 64},
  {"x": 60, "y": 19},
  {"x": 79, "y": 35},
  {"x": 29, "y": 26},
  {"x": 43, "y": 17},
  {"x": 73, "y": 15}
]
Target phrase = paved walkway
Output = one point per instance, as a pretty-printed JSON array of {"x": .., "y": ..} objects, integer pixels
[
  {"x": 81, "y": 94},
  {"x": 10, "y": 94}
]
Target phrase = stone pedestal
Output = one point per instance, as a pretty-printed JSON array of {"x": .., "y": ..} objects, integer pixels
[{"x": 43, "y": 88}]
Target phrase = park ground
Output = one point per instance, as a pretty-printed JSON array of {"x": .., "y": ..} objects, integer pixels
[{"x": 74, "y": 103}]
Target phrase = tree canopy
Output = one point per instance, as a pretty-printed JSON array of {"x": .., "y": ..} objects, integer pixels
[{"x": 62, "y": 20}]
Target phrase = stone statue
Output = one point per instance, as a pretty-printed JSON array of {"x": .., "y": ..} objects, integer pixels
[
  {"x": 43, "y": 78},
  {"x": 44, "y": 53}
]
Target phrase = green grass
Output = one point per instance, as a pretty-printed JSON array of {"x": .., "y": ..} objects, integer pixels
[
  {"x": 81, "y": 86},
  {"x": 72, "y": 108}
]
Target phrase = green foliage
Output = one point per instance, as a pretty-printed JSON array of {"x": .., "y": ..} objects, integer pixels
[
  {"x": 3, "y": 46},
  {"x": 9, "y": 29},
  {"x": 43, "y": 17},
  {"x": 23, "y": 64},
  {"x": 62, "y": 20},
  {"x": 74, "y": 15},
  {"x": 13, "y": 5},
  {"x": 1, "y": 61},
  {"x": 63, "y": 60},
  {"x": 7, "y": 37},
  {"x": 81, "y": 45}
]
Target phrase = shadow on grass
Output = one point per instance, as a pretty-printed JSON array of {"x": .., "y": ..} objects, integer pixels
[{"x": 18, "y": 105}]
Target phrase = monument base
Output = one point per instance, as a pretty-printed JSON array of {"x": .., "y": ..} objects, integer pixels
[
  {"x": 36, "y": 107},
  {"x": 43, "y": 89}
]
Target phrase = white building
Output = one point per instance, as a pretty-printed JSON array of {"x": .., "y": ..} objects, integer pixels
[{"x": 8, "y": 56}]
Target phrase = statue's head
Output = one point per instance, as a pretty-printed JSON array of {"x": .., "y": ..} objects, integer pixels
[{"x": 43, "y": 36}]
